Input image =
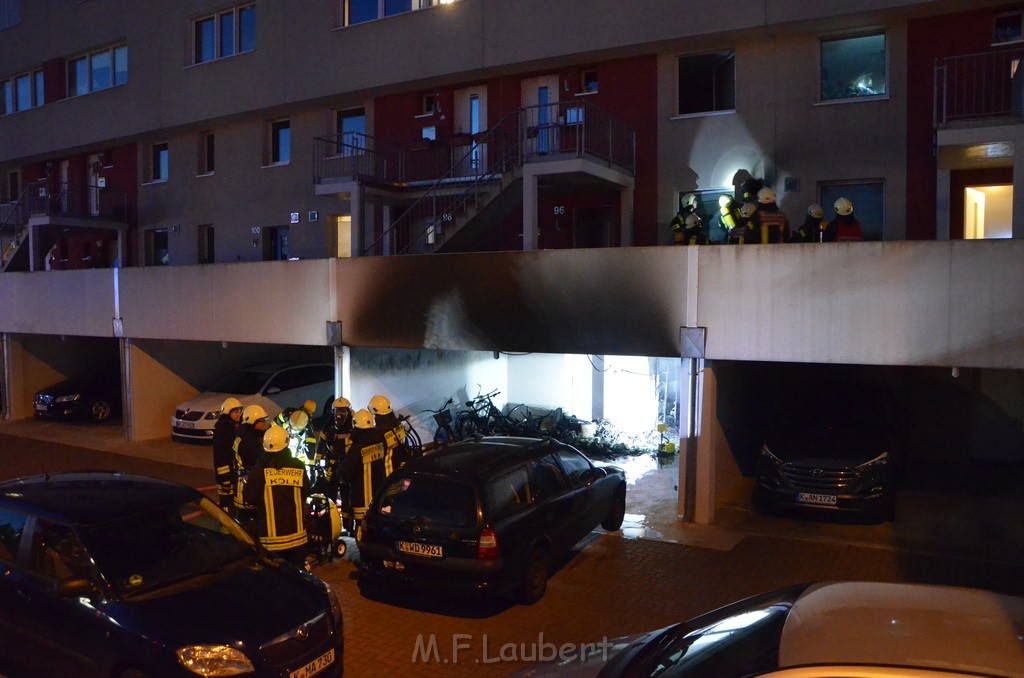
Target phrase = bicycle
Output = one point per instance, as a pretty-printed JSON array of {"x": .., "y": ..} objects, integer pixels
[
  {"x": 482, "y": 418},
  {"x": 443, "y": 418},
  {"x": 413, "y": 442}
]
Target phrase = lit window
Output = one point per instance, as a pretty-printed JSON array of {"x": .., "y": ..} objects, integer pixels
[
  {"x": 1008, "y": 28},
  {"x": 354, "y": 12},
  {"x": 22, "y": 92},
  {"x": 707, "y": 83},
  {"x": 853, "y": 68},
  {"x": 280, "y": 142},
  {"x": 224, "y": 34},
  {"x": 98, "y": 70},
  {"x": 159, "y": 162},
  {"x": 590, "y": 81},
  {"x": 430, "y": 133}
]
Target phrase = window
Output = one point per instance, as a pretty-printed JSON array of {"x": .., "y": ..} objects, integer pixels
[
  {"x": 159, "y": 162},
  {"x": 12, "y": 526},
  {"x": 10, "y": 13},
  {"x": 548, "y": 479},
  {"x": 97, "y": 71},
  {"x": 589, "y": 82},
  {"x": 429, "y": 104},
  {"x": 224, "y": 34},
  {"x": 354, "y": 12},
  {"x": 707, "y": 83},
  {"x": 280, "y": 142},
  {"x": 429, "y": 132},
  {"x": 868, "y": 198},
  {"x": 157, "y": 247},
  {"x": 853, "y": 68},
  {"x": 58, "y": 554},
  {"x": 351, "y": 128},
  {"x": 207, "y": 154},
  {"x": 22, "y": 92},
  {"x": 574, "y": 465},
  {"x": 1008, "y": 28},
  {"x": 508, "y": 494},
  {"x": 206, "y": 243}
]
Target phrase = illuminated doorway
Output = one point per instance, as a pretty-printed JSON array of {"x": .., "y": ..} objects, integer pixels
[{"x": 988, "y": 212}]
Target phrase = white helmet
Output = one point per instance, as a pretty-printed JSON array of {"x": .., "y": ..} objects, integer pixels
[
  {"x": 689, "y": 200},
  {"x": 844, "y": 207},
  {"x": 765, "y": 196},
  {"x": 275, "y": 439},
  {"x": 362, "y": 419},
  {"x": 298, "y": 420},
  {"x": 815, "y": 211},
  {"x": 230, "y": 404},
  {"x": 253, "y": 413},
  {"x": 725, "y": 200},
  {"x": 748, "y": 210},
  {"x": 380, "y": 405},
  {"x": 693, "y": 221}
]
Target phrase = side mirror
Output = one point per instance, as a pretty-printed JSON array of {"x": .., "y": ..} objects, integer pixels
[{"x": 590, "y": 475}]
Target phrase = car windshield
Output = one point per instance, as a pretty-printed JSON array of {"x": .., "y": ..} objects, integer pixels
[
  {"x": 430, "y": 500},
  {"x": 167, "y": 545},
  {"x": 244, "y": 382}
]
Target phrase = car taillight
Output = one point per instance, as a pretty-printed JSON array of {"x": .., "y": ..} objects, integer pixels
[{"x": 487, "y": 548}]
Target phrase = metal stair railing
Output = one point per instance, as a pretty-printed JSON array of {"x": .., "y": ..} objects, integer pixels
[
  {"x": 13, "y": 220},
  {"x": 489, "y": 156}
]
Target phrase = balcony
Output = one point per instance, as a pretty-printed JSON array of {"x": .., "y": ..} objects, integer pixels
[{"x": 984, "y": 88}]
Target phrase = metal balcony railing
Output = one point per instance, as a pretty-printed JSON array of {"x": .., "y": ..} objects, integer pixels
[
  {"x": 576, "y": 128},
  {"x": 93, "y": 202},
  {"x": 975, "y": 86},
  {"x": 354, "y": 154}
]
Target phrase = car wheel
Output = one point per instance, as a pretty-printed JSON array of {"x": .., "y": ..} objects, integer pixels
[
  {"x": 616, "y": 514},
  {"x": 100, "y": 411},
  {"x": 534, "y": 580}
]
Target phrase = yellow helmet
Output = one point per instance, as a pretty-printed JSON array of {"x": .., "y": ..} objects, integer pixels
[
  {"x": 380, "y": 405},
  {"x": 275, "y": 439},
  {"x": 253, "y": 413},
  {"x": 362, "y": 419},
  {"x": 815, "y": 211},
  {"x": 298, "y": 420},
  {"x": 341, "y": 403},
  {"x": 844, "y": 207},
  {"x": 309, "y": 407},
  {"x": 230, "y": 404}
]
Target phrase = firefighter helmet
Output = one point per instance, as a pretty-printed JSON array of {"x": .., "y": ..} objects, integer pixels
[
  {"x": 309, "y": 407},
  {"x": 815, "y": 211},
  {"x": 844, "y": 207},
  {"x": 689, "y": 201},
  {"x": 380, "y": 405},
  {"x": 298, "y": 421},
  {"x": 748, "y": 210},
  {"x": 725, "y": 200},
  {"x": 253, "y": 413},
  {"x": 230, "y": 404},
  {"x": 341, "y": 403},
  {"x": 766, "y": 196},
  {"x": 693, "y": 221},
  {"x": 275, "y": 439},
  {"x": 362, "y": 419}
]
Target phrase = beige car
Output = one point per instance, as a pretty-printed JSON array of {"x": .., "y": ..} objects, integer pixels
[{"x": 826, "y": 630}]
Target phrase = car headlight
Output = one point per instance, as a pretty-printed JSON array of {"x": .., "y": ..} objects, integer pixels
[
  {"x": 67, "y": 398},
  {"x": 878, "y": 462},
  {"x": 335, "y": 605},
  {"x": 212, "y": 415},
  {"x": 767, "y": 455},
  {"x": 214, "y": 660}
]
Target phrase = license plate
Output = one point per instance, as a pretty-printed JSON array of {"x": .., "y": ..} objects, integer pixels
[
  {"x": 314, "y": 667},
  {"x": 186, "y": 424},
  {"x": 429, "y": 550},
  {"x": 811, "y": 498}
]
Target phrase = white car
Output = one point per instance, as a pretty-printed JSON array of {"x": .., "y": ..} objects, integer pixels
[{"x": 274, "y": 386}]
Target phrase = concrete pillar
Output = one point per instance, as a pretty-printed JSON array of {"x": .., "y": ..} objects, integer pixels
[
  {"x": 151, "y": 392},
  {"x": 358, "y": 223},
  {"x": 597, "y": 390},
  {"x": 1018, "y": 191},
  {"x": 529, "y": 210},
  {"x": 942, "y": 186},
  {"x": 707, "y": 448},
  {"x": 626, "y": 217}
]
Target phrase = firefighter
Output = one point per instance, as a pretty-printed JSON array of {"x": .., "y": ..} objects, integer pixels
[
  {"x": 687, "y": 206},
  {"x": 278, "y": 488},
  {"x": 743, "y": 233},
  {"x": 386, "y": 422},
  {"x": 770, "y": 224},
  {"x": 248, "y": 448},
  {"x": 845, "y": 227},
  {"x": 693, "y": 232},
  {"x": 301, "y": 437},
  {"x": 813, "y": 228},
  {"x": 309, "y": 407},
  {"x": 224, "y": 432},
  {"x": 725, "y": 221},
  {"x": 367, "y": 463},
  {"x": 331, "y": 446}
]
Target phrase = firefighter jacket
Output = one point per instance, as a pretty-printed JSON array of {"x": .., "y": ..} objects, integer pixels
[
  {"x": 248, "y": 448},
  {"x": 770, "y": 225},
  {"x": 277, "y": 486},
  {"x": 365, "y": 466},
  {"x": 843, "y": 229},
  {"x": 394, "y": 437},
  {"x": 812, "y": 230},
  {"x": 224, "y": 432},
  {"x": 725, "y": 221}
]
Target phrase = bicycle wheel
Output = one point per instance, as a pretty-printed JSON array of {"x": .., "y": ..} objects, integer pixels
[{"x": 521, "y": 421}]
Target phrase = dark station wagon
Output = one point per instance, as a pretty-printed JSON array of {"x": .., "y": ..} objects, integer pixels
[
  {"x": 115, "y": 575},
  {"x": 491, "y": 514}
]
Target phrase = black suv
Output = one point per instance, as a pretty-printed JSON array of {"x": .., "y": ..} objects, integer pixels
[
  {"x": 114, "y": 575},
  {"x": 490, "y": 514}
]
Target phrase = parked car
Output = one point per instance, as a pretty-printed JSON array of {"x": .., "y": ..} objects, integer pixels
[
  {"x": 108, "y": 574},
  {"x": 95, "y": 399},
  {"x": 274, "y": 386},
  {"x": 837, "y": 450},
  {"x": 488, "y": 515},
  {"x": 824, "y": 630}
]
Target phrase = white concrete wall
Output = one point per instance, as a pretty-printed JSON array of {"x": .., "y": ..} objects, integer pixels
[{"x": 78, "y": 303}]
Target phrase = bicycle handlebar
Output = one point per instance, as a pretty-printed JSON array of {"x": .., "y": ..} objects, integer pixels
[{"x": 443, "y": 407}]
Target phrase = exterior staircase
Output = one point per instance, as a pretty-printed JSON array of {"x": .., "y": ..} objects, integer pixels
[{"x": 13, "y": 235}]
